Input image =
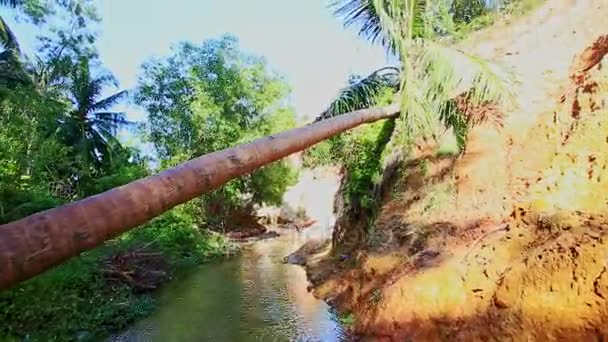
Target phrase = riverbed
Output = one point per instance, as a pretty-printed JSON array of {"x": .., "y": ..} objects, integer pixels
[{"x": 254, "y": 296}]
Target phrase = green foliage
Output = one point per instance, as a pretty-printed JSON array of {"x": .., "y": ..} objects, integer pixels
[
  {"x": 58, "y": 144},
  {"x": 318, "y": 155},
  {"x": 57, "y": 135},
  {"x": 362, "y": 14},
  {"x": 35, "y": 10},
  {"x": 209, "y": 97},
  {"x": 374, "y": 90},
  {"x": 465, "y": 11},
  {"x": 18, "y": 203},
  {"x": 366, "y": 92},
  {"x": 347, "y": 320},
  {"x": 123, "y": 167},
  {"x": 519, "y": 7},
  {"x": 271, "y": 182},
  {"x": 453, "y": 119},
  {"x": 71, "y": 300},
  {"x": 74, "y": 300},
  {"x": 362, "y": 153},
  {"x": 485, "y": 18},
  {"x": 29, "y": 159},
  {"x": 89, "y": 127},
  {"x": 179, "y": 235},
  {"x": 432, "y": 73},
  {"x": 431, "y": 79}
]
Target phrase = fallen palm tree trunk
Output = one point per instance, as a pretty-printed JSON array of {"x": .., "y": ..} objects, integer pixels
[{"x": 38, "y": 242}]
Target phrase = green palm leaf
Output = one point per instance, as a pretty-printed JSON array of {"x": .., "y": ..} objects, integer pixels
[
  {"x": 12, "y": 70},
  {"x": 8, "y": 38},
  {"x": 434, "y": 75},
  {"x": 90, "y": 126},
  {"x": 109, "y": 101},
  {"x": 11, "y": 3},
  {"x": 362, "y": 14},
  {"x": 111, "y": 121},
  {"x": 362, "y": 93}
]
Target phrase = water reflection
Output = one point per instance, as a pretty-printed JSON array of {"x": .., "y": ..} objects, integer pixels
[{"x": 254, "y": 297}]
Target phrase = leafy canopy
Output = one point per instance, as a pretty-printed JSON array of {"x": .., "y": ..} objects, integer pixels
[
  {"x": 57, "y": 133},
  {"x": 211, "y": 96}
]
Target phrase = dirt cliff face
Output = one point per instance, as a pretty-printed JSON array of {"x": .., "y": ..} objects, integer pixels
[{"x": 508, "y": 241}]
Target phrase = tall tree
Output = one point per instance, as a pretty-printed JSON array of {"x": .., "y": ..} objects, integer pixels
[
  {"x": 433, "y": 74},
  {"x": 11, "y": 67},
  {"x": 57, "y": 93},
  {"x": 210, "y": 96},
  {"x": 90, "y": 127}
]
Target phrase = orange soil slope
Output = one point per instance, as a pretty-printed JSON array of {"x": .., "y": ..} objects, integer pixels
[{"x": 509, "y": 241}]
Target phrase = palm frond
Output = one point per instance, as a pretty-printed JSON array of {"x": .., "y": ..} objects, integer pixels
[
  {"x": 362, "y": 93},
  {"x": 12, "y": 69},
  {"x": 439, "y": 85},
  {"x": 109, "y": 101},
  {"x": 115, "y": 118},
  {"x": 111, "y": 121},
  {"x": 433, "y": 75},
  {"x": 8, "y": 40},
  {"x": 451, "y": 87},
  {"x": 418, "y": 18},
  {"x": 90, "y": 128},
  {"x": 46, "y": 77},
  {"x": 363, "y": 15},
  {"x": 85, "y": 88},
  {"x": 97, "y": 145},
  {"x": 402, "y": 21},
  {"x": 5, "y": 56},
  {"x": 452, "y": 118},
  {"x": 11, "y": 3}
]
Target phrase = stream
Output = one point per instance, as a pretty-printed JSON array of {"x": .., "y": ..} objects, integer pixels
[{"x": 251, "y": 297}]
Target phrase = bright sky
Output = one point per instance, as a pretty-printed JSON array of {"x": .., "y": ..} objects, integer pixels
[{"x": 301, "y": 39}]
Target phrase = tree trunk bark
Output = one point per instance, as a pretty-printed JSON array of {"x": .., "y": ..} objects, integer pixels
[{"x": 38, "y": 242}]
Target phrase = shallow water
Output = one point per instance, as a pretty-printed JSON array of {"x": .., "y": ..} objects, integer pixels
[{"x": 253, "y": 297}]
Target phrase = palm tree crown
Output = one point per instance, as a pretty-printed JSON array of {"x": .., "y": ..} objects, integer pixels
[
  {"x": 433, "y": 74},
  {"x": 90, "y": 126}
]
